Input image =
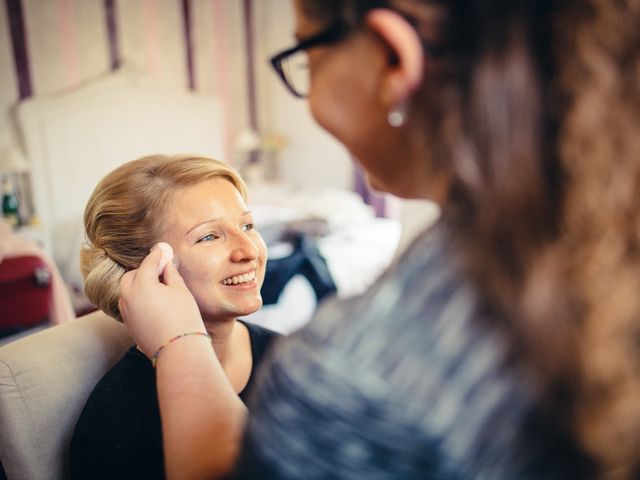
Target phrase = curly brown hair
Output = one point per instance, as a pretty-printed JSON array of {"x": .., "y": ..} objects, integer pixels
[
  {"x": 600, "y": 152},
  {"x": 532, "y": 107}
]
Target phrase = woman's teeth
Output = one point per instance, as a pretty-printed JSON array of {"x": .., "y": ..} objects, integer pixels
[{"x": 247, "y": 277}]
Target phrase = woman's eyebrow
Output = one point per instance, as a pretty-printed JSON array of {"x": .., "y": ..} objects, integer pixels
[{"x": 211, "y": 220}]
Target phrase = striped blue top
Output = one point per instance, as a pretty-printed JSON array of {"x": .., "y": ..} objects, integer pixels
[{"x": 406, "y": 381}]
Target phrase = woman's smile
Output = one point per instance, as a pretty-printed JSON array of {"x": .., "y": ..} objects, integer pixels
[{"x": 246, "y": 279}]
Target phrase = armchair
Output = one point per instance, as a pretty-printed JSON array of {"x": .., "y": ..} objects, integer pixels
[{"x": 45, "y": 380}]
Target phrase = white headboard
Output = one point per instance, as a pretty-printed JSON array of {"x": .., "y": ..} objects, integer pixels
[{"x": 74, "y": 139}]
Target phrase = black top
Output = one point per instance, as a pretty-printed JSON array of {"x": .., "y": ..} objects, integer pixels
[{"x": 119, "y": 435}]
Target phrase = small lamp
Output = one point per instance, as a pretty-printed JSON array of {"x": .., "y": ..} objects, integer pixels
[
  {"x": 247, "y": 146},
  {"x": 247, "y": 141}
]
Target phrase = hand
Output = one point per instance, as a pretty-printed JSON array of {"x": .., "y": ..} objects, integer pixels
[{"x": 154, "y": 311}]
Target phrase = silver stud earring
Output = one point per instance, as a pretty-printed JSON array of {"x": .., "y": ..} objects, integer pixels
[{"x": 397, "y": 115}]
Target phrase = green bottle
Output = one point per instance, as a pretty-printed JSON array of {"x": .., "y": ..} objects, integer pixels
[{"x": 9, "y": 204}]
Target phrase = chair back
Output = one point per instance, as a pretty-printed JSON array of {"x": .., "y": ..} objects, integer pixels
[{"x": 45, "y": 380}]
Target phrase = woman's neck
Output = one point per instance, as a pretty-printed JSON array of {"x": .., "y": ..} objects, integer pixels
[
  {"x": 223, "y": 338},
  {"x": 230, "y": 340}
]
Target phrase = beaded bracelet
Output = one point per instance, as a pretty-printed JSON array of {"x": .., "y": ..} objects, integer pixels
[{"x": 154, "y": 357}]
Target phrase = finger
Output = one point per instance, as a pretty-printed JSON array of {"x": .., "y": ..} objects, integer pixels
[
  {"x": 148, "y": 269},
  {"x": 122, "y": 309},
  {"x": 167, "y": 255},
  {"x": 127, "y": 280},
  {"x": 126, "y": 287},
  {"x": 171, "y": 276}
]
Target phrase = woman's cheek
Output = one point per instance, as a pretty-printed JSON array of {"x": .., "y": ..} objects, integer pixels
[{"x": 189, "y": 271}]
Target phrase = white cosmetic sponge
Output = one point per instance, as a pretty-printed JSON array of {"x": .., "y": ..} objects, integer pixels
[{"x": 167, "y": 256}]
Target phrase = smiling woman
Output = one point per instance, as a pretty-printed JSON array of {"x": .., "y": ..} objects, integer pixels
[
  {"x": 197, "y": 206},
  {"x": 132, "y": 208}
]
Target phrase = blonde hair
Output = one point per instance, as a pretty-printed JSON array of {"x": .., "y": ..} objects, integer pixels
[{"x": 121, "y": 218}]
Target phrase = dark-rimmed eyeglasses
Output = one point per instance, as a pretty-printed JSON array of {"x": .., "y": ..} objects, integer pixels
[{"x": 292, "y": 65}]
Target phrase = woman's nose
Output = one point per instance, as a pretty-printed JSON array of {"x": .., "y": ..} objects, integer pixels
[{"x": 244, "y": 248}]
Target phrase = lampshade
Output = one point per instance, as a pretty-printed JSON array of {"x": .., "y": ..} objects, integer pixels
[
  {"x": 12, "y": 160},
  {"x": 248, "y": 140}
]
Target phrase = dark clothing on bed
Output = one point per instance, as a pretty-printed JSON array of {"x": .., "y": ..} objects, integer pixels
[
  {"x": 119, "y": 435},
  {"x": 305, "y": 260}
]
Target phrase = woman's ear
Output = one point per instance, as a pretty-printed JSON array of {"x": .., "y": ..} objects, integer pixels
[{"x": 406, "y": 64}]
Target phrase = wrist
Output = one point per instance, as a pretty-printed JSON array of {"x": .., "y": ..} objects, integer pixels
[{"x": 154, "y": 357}]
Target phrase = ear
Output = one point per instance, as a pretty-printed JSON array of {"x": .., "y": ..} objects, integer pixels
[{"x": 406, "y": 63}]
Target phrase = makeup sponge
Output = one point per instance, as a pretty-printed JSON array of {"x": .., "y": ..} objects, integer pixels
[{"x": 167, "y": 256}]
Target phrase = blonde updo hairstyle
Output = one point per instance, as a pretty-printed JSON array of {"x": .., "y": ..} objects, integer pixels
[{"x": 124, "y": 215}]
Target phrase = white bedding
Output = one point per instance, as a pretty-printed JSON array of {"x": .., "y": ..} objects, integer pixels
[{"x": 357, "y": 246}]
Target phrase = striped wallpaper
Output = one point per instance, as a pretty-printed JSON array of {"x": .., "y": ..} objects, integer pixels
[
  {"x": 56, "y": 45},
  {"x": 19, "y": 48},
  {"x": 209, "y": 46}
]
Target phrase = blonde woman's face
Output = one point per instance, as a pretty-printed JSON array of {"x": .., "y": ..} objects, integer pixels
[{"x": 221, "y": 257}]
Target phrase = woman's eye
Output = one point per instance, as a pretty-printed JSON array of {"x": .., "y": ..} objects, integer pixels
[
  {"x": 247, "y": 226},
  {"x": 209, "y": 237}
]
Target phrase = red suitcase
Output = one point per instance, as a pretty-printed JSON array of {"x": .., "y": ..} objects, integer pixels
[{"x": 25, "y": 293}]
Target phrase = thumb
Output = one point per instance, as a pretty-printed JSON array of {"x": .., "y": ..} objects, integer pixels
[
  {"x": 171, "y": 276},
  {"x": 149, "y": 267},
  {"x": 127, "y": 280}
]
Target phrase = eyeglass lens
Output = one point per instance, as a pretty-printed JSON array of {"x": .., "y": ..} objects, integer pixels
[{"x": 296, "y": 70}]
